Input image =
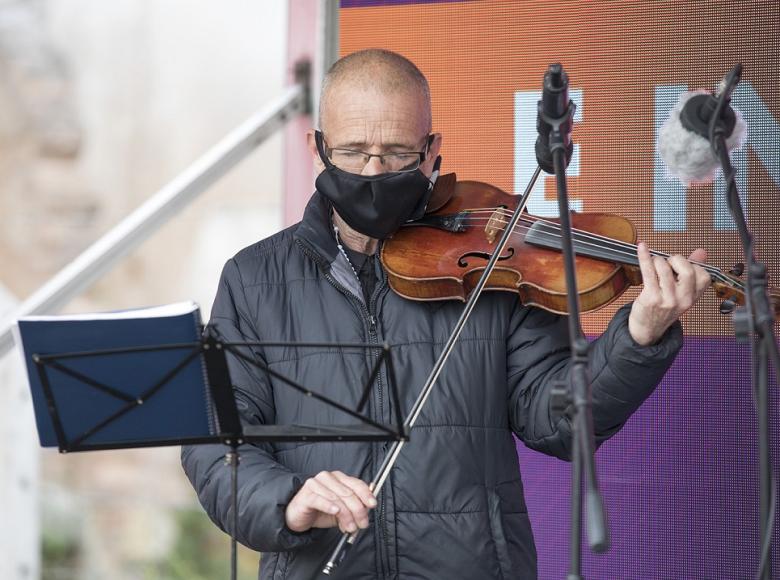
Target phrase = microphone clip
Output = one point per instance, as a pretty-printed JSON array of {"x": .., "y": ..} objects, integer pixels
[
  {"x": 697, "y": 114},
  {"x": 557, "y": 129},
  {"x": 555, "y": 118},
  {"x": 554, "y": 133}
]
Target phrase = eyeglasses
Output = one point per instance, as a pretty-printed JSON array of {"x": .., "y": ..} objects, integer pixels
[{"x": 354, "y": 161}]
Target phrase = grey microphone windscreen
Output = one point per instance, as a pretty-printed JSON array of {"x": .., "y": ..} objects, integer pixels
[{"x": 687, "y": 155}]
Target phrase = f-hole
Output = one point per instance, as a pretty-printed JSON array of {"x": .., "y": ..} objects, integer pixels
[{"x": 484, "y": 256}]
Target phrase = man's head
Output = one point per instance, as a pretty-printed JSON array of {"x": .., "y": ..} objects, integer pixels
[{"x": 376, "y": 101}]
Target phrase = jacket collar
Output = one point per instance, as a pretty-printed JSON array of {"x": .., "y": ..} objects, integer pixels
[
  {"x": 315, "y": 233},
  {"x": 315, "y": 229}
]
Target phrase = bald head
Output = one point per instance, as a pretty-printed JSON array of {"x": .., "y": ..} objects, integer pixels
[
  {"x": 377, "y": 102},
  {"x": 375, "y": 71}
]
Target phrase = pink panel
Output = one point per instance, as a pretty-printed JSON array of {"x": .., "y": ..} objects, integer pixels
[{"x": 299, "y": 172}]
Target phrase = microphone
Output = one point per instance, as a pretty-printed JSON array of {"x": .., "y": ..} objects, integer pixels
[
  {"x": 554, "y": 118},
  {"x": 684, "y": 139}
]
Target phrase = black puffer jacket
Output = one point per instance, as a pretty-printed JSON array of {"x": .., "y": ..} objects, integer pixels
[{"x": 454, "y": 504}]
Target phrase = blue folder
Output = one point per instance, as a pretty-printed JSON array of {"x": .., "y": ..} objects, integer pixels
[{"x": 100, "y": 391}]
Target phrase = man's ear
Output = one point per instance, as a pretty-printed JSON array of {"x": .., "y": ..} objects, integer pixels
[{"x": 312, "y": 144}]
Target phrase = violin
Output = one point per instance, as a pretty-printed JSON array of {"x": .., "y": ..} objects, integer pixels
[{"x": 442, "y": 255}]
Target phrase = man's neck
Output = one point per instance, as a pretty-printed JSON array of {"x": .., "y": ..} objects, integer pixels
[{"x": 354, "y": 240}]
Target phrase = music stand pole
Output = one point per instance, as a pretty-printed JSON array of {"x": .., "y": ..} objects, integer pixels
[{"x": 229, "y": 423}]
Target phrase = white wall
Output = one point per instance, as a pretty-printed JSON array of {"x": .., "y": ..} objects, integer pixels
[
  {"x": 156, "y": 83},
  {"x": 151, "y": 84}
]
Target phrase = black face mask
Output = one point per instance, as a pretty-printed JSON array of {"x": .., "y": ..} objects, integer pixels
[{"x": 375, "y": 205}]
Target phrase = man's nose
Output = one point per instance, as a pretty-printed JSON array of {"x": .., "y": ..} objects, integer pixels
[{"x": 374, "y": 167}]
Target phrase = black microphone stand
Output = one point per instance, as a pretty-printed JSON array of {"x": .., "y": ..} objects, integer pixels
[
  {"x": 755, "y": 318},
  {"x": 578, "y": 393}
]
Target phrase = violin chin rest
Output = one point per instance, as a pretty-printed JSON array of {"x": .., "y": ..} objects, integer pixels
[{"x": 442, "y": 192}]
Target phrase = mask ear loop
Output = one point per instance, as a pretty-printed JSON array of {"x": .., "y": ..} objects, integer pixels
[
  {"x": 435, "y": 174},
  {"x": 436, "y": 165},
  {"x": 432, "y": 181}
]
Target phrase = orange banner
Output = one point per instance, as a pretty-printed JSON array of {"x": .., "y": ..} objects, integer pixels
[{"x": 627, "y": 62}]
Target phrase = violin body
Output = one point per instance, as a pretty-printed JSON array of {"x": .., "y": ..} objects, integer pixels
[
  {"x": 442, "y": 256},
  {"x": 447, "y": 265}
]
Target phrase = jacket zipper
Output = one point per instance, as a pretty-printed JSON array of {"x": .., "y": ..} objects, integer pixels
[
  {"x": 382, "y": 506},
  {"x": 372, "y": 335}
]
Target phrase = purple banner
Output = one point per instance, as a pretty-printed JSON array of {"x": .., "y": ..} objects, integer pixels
[{"x": 680, "y": 480}]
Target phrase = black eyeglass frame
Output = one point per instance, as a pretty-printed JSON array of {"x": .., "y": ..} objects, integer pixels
[{"x": 324, "y": 150}]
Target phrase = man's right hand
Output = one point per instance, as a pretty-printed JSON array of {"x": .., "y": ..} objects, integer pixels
[{"x": 330, "y": 499}]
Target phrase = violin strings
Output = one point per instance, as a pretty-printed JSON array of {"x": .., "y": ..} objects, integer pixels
[
  {"x": 616, "y": 243},
  {"x": 714, "y": 272},
  {"x": 629, "y": 249},
  {"x": 582, "y": 240},
  {"x": 620, "y": 248},
  {"x": 583, "y": 233}
]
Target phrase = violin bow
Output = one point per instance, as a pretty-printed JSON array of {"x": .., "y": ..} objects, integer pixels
[{"x": 348, "y": 540}]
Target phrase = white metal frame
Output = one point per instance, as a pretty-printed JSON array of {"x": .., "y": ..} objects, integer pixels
[{"x": 157, "y": 210}]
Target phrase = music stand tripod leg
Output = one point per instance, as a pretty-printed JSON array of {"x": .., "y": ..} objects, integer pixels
[
  {"x": 229, "y": 424},
  {"x": 232, "y": 458}
]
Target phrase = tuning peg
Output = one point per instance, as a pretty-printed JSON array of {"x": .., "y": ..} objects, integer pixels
[
  {"x": 737, "y": 270},
  {"x": 727, "y": 306}
]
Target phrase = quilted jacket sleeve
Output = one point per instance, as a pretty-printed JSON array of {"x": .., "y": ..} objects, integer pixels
[
  {"x": 264, "y": 485},
  {"x": 623, "y": 374}
]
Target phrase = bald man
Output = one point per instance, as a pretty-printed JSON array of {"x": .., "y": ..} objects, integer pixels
[{"x": 453, "y": 506}]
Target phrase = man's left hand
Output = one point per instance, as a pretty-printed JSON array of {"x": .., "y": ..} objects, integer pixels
[{"x": 670, "y": 287}]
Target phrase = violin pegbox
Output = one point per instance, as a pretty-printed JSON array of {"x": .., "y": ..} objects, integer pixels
[{"x": 730, "y": 303}]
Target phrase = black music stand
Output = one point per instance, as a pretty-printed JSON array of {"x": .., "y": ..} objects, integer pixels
[{"x": 228, "y": 428}]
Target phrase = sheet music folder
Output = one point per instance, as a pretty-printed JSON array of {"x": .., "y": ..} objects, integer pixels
[
  {"x": 86, "y": 387},
  {"x": 146, "y": 377}
]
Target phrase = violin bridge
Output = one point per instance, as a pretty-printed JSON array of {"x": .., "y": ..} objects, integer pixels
[{"x": 495, "y": 225}]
